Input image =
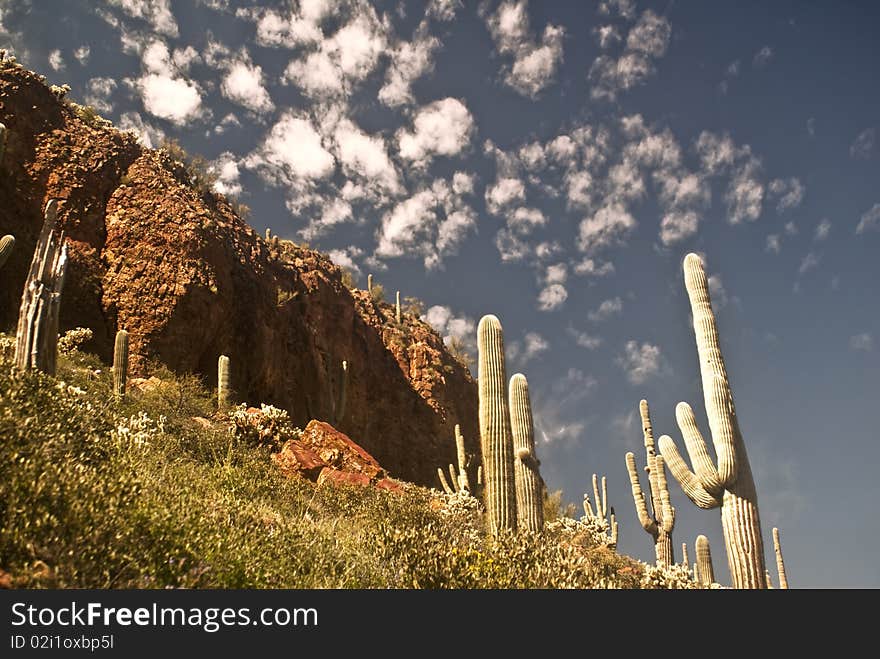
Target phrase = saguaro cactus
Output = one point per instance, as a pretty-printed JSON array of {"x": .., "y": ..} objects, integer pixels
[
  {"x": 3, "y": 133},
  {"x": 222, "y": 382},
  {"x": 780, "y": 564},
  {"x": 730, "y": 486},
  {"x": 120, "y": 364},
  {"x": 529, "y": 502},
  {"x": 660, "y": 525},
  {"x": 370, "y": 284},
  {"x": 496, "y": 438},
  {"x": 461, "y": 456},
  {"x": 397, "y": 315},
  {"x": 685, "y": 560},
  {"x": 7, "y": 242},
  {"x": 36, "y": 339},
  {"x": 609, "y": 525},
  {"x": 705, "y": 574}
]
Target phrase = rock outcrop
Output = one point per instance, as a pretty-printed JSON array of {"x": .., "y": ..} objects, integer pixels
[{"x": 173, "y": 264}]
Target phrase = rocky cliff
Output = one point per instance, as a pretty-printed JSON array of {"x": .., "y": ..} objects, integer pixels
[{"x": 174, "y": 265}]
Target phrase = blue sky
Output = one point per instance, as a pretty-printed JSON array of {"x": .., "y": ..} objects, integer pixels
[{"x": 552, "y": 163}]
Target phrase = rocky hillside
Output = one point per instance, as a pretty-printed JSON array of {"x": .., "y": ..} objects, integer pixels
[{"x": 175, "y": 266}]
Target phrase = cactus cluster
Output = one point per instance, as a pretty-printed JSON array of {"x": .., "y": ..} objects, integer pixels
[
  {"x": 730, "y": 485},
  {"x": 660, "y": 522},
  {"x": 36, "y": 338},
  {"x": 600, "y": 515}
]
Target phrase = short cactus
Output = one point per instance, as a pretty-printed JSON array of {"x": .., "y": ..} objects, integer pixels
[
  {"x": 36, "y": 337},
  {"x": 705, "y": 573},
  {"x": 730, "y": 486},
  {"x": 120, "y": 364},
  {"x": 397, "y": 314},
  {"x": 463, "y": 482},
  {"x": 529, "y": 502},
  {"x": 222, "y": 382},
  {"x": 600, "y": 516},
  {"x": 7, "y": 242},
  {"x": 496, "y": 438},
  {"x": 780, "y": 564},
  {"x": 370, "y": 284},
  {"x": 660, "y": 526},
  {"x": 685, "y": 559}
]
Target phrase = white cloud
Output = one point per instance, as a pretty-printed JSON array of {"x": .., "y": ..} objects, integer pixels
[
  {"x": 56, "y": 61},
  {"x": 584, "y": 339},
  {"x": 82, "y": 54},
  {"x": 452, "y": 327},
  {"x": 863, "y": 342},
  {"x": 442, "y": 128},
  {"x": 365, "y": 155},
  {"x": 243, "y": 84},
  {"x": 717, "y": 153},
  {"x": 534, "y": 345},
  {"x": 504, "y": 193},
  {"x": 863, "y": 146},
  {"x": 524, "y": 220},
  {"x": 870, "y": 219},
  {"x": 176, "y": 99},
  {"x": 292, "y": 150},
  {"x": 717, "y": 293},
  {"x": 762, "y": 57},
  {"x": 650, "y": 35},
  {"x": 608, "y": 35},
  {"x": 623, "y": 8},
  {"x": 443, "y": 10},
  {"x": 226, "y": 168},
  {"x": 774, "y": 243},
  {"x": 552, "y": 297},
  {"x": 640, "y": 362},
  {"x": 409, "y": 62},
  {"x": 535, "y": 62},
  {"x": 809, "y": 262},
  {"x": 99, "y": 92},
  {"x": 344, "y": 258},
  {"x": 333, "y": 212},
  {"x": 556, "y": 274},
  {"x": 148, "y": 135},
  {"x": 677, "y": 225},
  {"x": 590, "y": 268},
  {"x": 790, "y": 193},
  {"x": 608, "y": 226},
  {"x": 744, "y": 196},
  {"x": 156, "y": 12},
  {"x": 823, "y": 230},
  {"x": 606, "y": 310}
]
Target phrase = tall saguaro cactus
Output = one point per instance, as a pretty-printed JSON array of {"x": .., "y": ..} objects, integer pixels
[
  {"x": 120, "y": 364},
  {"x": 780, "y": 564},
  {"x": 496, "y": 438},
  {"x": 7, "y": 242},
  {"x": 529, "y": 502},
  {"x": 222, "y": 382},
  {"x": 705, "y": 573},
  {"x": 36, "y": 339},
  {"x": 660, "y": 525},
  {"x": 730, "y": 486},
  {"x": 397, "y": 315}
]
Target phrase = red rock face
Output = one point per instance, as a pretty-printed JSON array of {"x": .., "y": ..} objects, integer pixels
[{"x": 190, "y": 280}]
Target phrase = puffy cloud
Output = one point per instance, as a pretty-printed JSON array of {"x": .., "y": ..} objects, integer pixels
[
  {"x": 863, "y": 146},
  {"x": 556, "y": 274},
  {"x": 56, "y": 61},
  {"x": 809, "y": 262},
  {"x": 176, "y": 99},
  {"x": 623, "y": 8},
  {"x": 333, "y": 212},
  {"x": 243, "y": 84},
  {"x": 344, "y": 258},
  {"x": 552, "y": 297},
  {"x": 717, "y": 152},
  {"x": 589, "y": 267},
  {"x": 608, "y": 226},
  {"x": 863, "y": 342},
  {"x": 678, "y": 225},
  {"x": 293, "y": 149},
  {"x": 226, "y": 168},
  {"x": 443, "y": 10},
  {"x": 744, "y": 196},
  {"x": 823, "y": 230},
  {"x": 99, "y": 92},
  {"x": 606, "y": 310},
  {"x": 524, "y": 220},
  {"x": 650, "y": 35},
  {"x": 409, "y": 62},
  {"x": 607, "y": 35},
  {"x": 717, "y": 293},
  {"x": 870, "y": 219},
  {"x": 504, "y": 193},
  {"x": 156, "y": 12},
  {"x": 762, "y": 57},
  {"x": 584, "y": 339},
  {"x": 365, "y": 155},
  {"x": 452, "y": 327},
  {"x": 640, "y": 362},
  {"x": 82, "y": 54},
  {"x": 441, "y": 128},
  {"x": 148, "y": 135},
  {"x": 789, "y": 192},
  {"x": 533, "y": 345},
  {"x": 535, "y": 62}
]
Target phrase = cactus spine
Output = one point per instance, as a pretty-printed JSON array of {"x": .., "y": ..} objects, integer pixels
[
  {"x": 496, "y": 438},
  {"x": 705, "y": 574},
  {"x": 730, "y": 486},
  {"x": 780, "y": 564},
  {"x": 660, "y": 526},
  {"x": 7, "y": 242},
  {"x": 222, "y": 382},
  {"x": 397, "y": 315},
  {"x": 463, "y": 482},
  {"x": 529, "y": 503},
  {"x": 120, "y": 364},
  {"x": 599, "y": 516},
  {"x": 36, "y": 338}
]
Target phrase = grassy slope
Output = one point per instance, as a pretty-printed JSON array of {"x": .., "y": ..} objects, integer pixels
[{"x": 100, "y": 494}]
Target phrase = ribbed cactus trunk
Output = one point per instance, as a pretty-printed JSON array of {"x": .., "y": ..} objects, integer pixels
[
  {"x": 3, "y": 133},
  {"x": 7, "y": 242},
  {"x": 780, "y": 564},
  {"x": 529, "y": 502},
  {"x": 660, "y": 526},
  {"x": 731, "y": 485},
  {"x": 705, "y": 572},
  {"x": 120, "y": 364},
  {"x": 36, "y": 338},
  {"x": 397, "y": 314},
  {"x": 222, "y": 382},
  {"x": 496, "y": 439},
  {"x": 370, "y": 284},
  {"x": 461, "y": 456}
]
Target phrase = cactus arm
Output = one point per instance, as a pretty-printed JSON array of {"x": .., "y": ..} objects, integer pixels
[
  {"x": 596, "y": 498},
  {"x": 7, "y": 242},
  {"x": 780, "y": 564},
  {"x": 588, "y": 508},
  {"x": 697, "y": 450},
  {"x": 613, "y": 530},
  {"x": 464, "y": 484},
  {"x": 638, "y": 496},
  {"x": 711, "y": 366},
  {"x": 604, "y": 497},
  {"x": 443, "y": 482},
  {"x": 685, "y": 559},
  {"x": 651, "y": 453},
  {"x": 667, "y": 521},
  {"x": 685, "y": 477},
  {"x": 704, "y": 560}
]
